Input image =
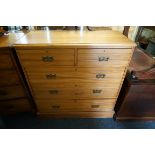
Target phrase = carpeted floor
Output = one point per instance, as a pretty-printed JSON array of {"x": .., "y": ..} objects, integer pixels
[{"x": 29, "y": 121}]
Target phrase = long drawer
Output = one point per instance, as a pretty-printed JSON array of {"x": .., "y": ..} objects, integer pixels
[
  {"x": 11, "y": 92},
  {"x": 75, "y": 91},
  {"x": 46, "y": 58},
  {"x": 52, "y": 75},
  {"x": 5, "y": 61},
  {"x": 9, "y": 77},
  {"x": 103, "y": 57},
  {"x": 49, "y": 106},
  {"x": 13, "y": 106}
]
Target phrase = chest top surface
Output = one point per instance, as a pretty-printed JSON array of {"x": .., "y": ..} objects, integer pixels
[
  {"x": 10, "y": 38},
  {"x": 76, "y": 38}
]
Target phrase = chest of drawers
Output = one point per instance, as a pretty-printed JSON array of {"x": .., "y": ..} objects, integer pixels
[
  {"x": 74, "y": 75},
  {"x": 14, "y": 97}
]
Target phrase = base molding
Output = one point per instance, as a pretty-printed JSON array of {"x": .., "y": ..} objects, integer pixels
[{"x": 77, "y": 115}]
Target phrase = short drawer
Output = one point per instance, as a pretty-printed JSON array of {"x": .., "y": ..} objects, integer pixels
[
  {"x": 53, "y": 90},
  {"x": 11, "y": 92},
  {"x": 75, "y": 91},
  {"x": 9, "y": 77},
  {"x": 51, "y": 75},
  {"x": 5, "y": 61},
  {"x": 14, "y": 106},
  {"x": 46, "y": 58},
  {"x": 96, "y": 91},
  {"x": 103, "y": 57},
  {"x": 47, "y": 106}
]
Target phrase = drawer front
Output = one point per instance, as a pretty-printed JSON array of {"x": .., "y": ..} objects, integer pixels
[
  {"x": 96, "y": 92},
  {"x": 52, "y": 75},
  {"x": 48, "y": 106},
  {"x": 54, "y": 93},
  {"x": 75, "y": 91},
  {"x": 46, "y": 58},
  {"x": 103, "y": 57},
  {"x": 14, "y": 106},
  {"x": 11, "y": 92},
  {"x": 9, "y": 77},
  {"x": 5, "y": 61}
]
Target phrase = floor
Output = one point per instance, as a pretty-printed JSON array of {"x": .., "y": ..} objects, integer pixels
[{"x": 30, "y": 121}]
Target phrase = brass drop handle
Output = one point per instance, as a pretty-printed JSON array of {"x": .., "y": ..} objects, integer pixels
[
  {"x": 97, "y": 91},
  {"x": 95, "y": 106},
  {"x": 51, "y": 76},
  {"x": 102, "y": 58},
  {"x": 100, "y": 75},
  {"x": 53, "y": 91},
  {"x": 55, "y": 106},
  {"x": 47, "y": 58}
]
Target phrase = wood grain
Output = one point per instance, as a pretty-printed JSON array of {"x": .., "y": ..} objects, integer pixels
[
  {"x": 11, "y": 92},
  {"x": 35, "y": 58},
  {"x": 11, "y": 38},
  {"x": 136, "y": 100},
  {"x": 75, "y": 38},
  {"x": 76, "y": 74},
  {"x": 14, "y": 97},
  {"x": 75, "y": 91},
  {"x": 9, "y": 77},
  {"x": 73, "y": 114},
  {"x": 103, "y": 57},
  {"x": 86, "y": 73},
  {"x": 5, "y": 60},
  {"x": 75, "y": 105},
  {"x": 15, "y": 106}
]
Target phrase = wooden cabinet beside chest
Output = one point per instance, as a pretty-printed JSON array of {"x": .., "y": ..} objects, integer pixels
[
  {"x": 14, "y": 96},
  {"x": 74, "y": 80}
]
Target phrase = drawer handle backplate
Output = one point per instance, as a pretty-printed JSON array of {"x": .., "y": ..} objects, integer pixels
[
  {"x": 51, "y": 76},
  {"x": 95, "y": 91},
  {"x": 47, "y": 58},
  {"x": 102, "y": 58},
  {"x": 100, "y": 75}
]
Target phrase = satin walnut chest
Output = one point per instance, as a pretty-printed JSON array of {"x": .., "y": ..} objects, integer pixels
[{"x": 74, "y": 73}]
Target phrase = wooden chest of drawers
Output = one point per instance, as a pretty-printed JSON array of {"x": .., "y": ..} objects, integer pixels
[
  {"x": 13, "y": 94},
  {"x": 5, "y": 59},
  {"x": 74, "y": 75}
]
